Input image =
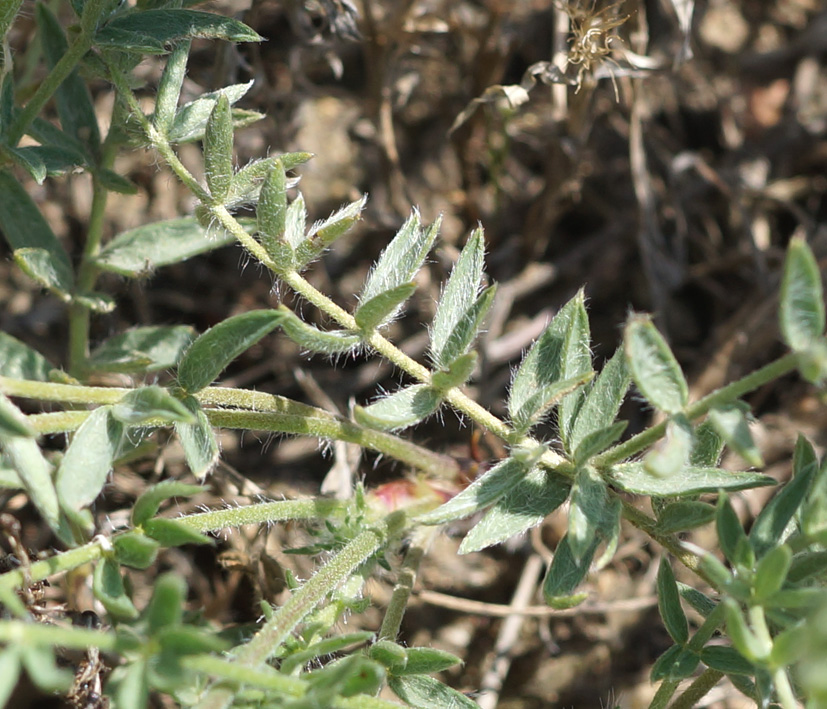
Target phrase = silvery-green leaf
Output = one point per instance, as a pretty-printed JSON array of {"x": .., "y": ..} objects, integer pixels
[
  {"x": 732, "y": 425},
  {"x": 602, "y": 401},
  {"x": 146, "y": 506},
  {"x": 30, "y": 161},
  {"x": 457, "y": 373},
  {"x": 12, "y": 420},
  {"x": 271, "y": 210},
  {"x": 423, "y": 692},
  {"x": 323, "y": 234},
  {"x": 671, "y": 455},
  {"x": 295, "y": 222},
  {"x": 150, "y": 402},
  {"x": 25, "y": 228},
  {"x": 546, "y": 397},
  {"x": 88, "y": 460},
  {"x": 34, "y": 471},
  {"x": 198, "y": 440},
  {"x": 399, "y": 410},
  {"x": 169, "y": 87},
  {"x": 577, "y": 362},
  {"x": 634, "y": 477},
  {"x": 218, "y": 150},
  {"x": 191, "y": 119},
  {"x": 590, "y": 504},
  {"x": 19, "y": 361},
  {"x": 677, "y": 663},
  {"x": 312, "y": 339},
  {"x": 534, "y": 497},
  {"x": 143, "y": 349},
  {"x": 565, "y": 574},
  {"x": 708, "y": 446},
  {"x": 802, "y": 302},
  {"x": 485, "y": 490},
  {"x": 114, "y": 182},
  {"x": 467, "y": 328},
  {"x": 669, "y": 604},
  {"x": 814, "y": 509},
  {"x": 108, "y": 587},
  {"x": 653, "y": 367},
  {"x": 9, "y": 479},
  {"x": 9, "y": 672},
  {"x": 44, "y": 671},
  {"x": 457, "y": 314},
  {"x": 684, "y": 515},
  {"x": 150, "y": 31},
  {"x": 41, "y": 266},
  {"x": 139, "y": 251},
  {"x": 382, "y": 307},
  {"x": 402, "y": 258},
  {"x": 731, "y": 535},
  {"x": 597, "y": 441},
  {"x": 248, "y": 181},
  {"x": 210, "y": 353},
  {"x": 556, "y": 356},
  {"x": 770, "y": 528}
]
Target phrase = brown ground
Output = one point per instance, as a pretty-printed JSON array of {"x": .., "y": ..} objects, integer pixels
[{"x": 690, "y": 222}]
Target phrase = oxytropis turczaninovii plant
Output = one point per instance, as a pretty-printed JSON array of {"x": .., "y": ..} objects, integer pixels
[{"x": 765, "y": 589}]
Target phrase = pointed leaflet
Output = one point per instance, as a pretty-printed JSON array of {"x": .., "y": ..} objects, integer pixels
[
  {"x": 653, "y": 367},
  {"x": 423, "y": 692},
  {"x": 107, "y": 585},
  {"x": 602, "y": 401},
  {"x": 151, "y": 31},
  {"x": 74, "y": 105},
  {"x": 271, "y": 210},
  {"x": 34, "y": 472},
  {"x": 28, "y": 160},
  {"x": 671, "y": 455},
  {"x": 685, "y": 515},
  {"x": 198, "y": 440},
  {"x": 485, "y": 490},
  {"x": 143, "y": 349},
  {"x": 169, "y": 87},
  {"x": 802, "y": 302},
  {"x": 399, "y": 410},
  {"x": 151, "y": 402},
  {"x": 525, "y": 505},
  {"x": 731, "y": 424},
  {"x": 634, "y": 477},
  {"x": 12, "y": 421},
  {"x": 814, "y": 509},
  {"x": 207, "y": 357},
  {"x": 675, "y": 664},
  {"x": 669, "y": 604},
  {"x": 590, "y": 514},
  {"x": 457, "y": 374},
  {"x": 597, "y": 441},
  {"x": 402, "y": 258},
  {"x": 25, "y": 228},
  {"x": 247, "y": 183},
  {"x": 40, "y": 266},
  {"x": 556, "y": 356},
  {"x": 295, "y": 222},
  {"x": 19, "y": 361},
  {"x": 457, "y": 314},
  {"x": 146, "y": 506},
  {"x": 323, "y": 234},
  {"x": 88, "y": 460},
  {"x": 565, "y": 574},
  {"x": 770, "y": 528},
  {"x": 191, "y": 119},
  {"x": 312, "y": 339},
  {"x": 218, "y": 150},
  {"x": 381, "y": 308},
  {"x": 707, "y": 448},
  {"x": 139, "y": 251}
]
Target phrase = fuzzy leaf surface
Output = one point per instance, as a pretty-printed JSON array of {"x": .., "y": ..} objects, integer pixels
[
  {"x": 634, "y": 477},
  {"x": 484, "y": 491},
  {"x": 140, "y": 251},
  {"x": 218, "y": 149},
  {"x": 210, "y": 353},
  {"x": 556, "y": 356},
  {"x": 401, "y": 259},
  {"x": 802, "y": 302},
  {"x": 378, "y": 310},
  {"x": 312, "y": 339},
  {"x": 19, "y": 361},
  {"x": 684, "y": 515},
  {"x": 565, "y": 574},
  {"x": 590, "y": 513},
  {"x": 732, "y": 425},
  {"x": 169, "y": 87},
  {"x": 423, "y": 692},
  {"x": 669, "y": 604},
  {"x": 323, "y": 234},
  {"x": 198, "y": 440},
  {"x": 401, "y": 409},
  {"x": 143, "y": 349},
  {"x": 653, "y": 367},
  {"x": 191, "y": 119},
  {"x": 141, "y": 405}
]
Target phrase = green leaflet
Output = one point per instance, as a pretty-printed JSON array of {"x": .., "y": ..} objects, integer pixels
[
  {"x": 633, "y": 477},
  {"x": 801, "y": 311},
  {"x": 143, "y": 349},
  {"x": 401, "y": 409}
]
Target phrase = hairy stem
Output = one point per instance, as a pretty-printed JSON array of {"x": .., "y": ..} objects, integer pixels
[{"x": 405, "y": 584}]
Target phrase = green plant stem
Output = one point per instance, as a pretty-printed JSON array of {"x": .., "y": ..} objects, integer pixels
[
  {"x": 405, "y": 583},
  {"x": 60, "y": 563},
  {"x": 725, "y": 395},
  {"x": 665, "y": 692},
  {"x": 698, "y": 689},
  {"x": 255, "y": 653},
  {"x": 783, "y": 689},
  {"x": 16, "y": 632},
  {"x": 264, "y": 678},
  {"x": 47, "y": 88}
]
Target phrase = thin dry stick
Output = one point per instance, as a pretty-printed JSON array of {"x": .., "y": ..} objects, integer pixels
[
  {"x": 494, "y": 676},
  {"x": 497, "y": 610}
]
